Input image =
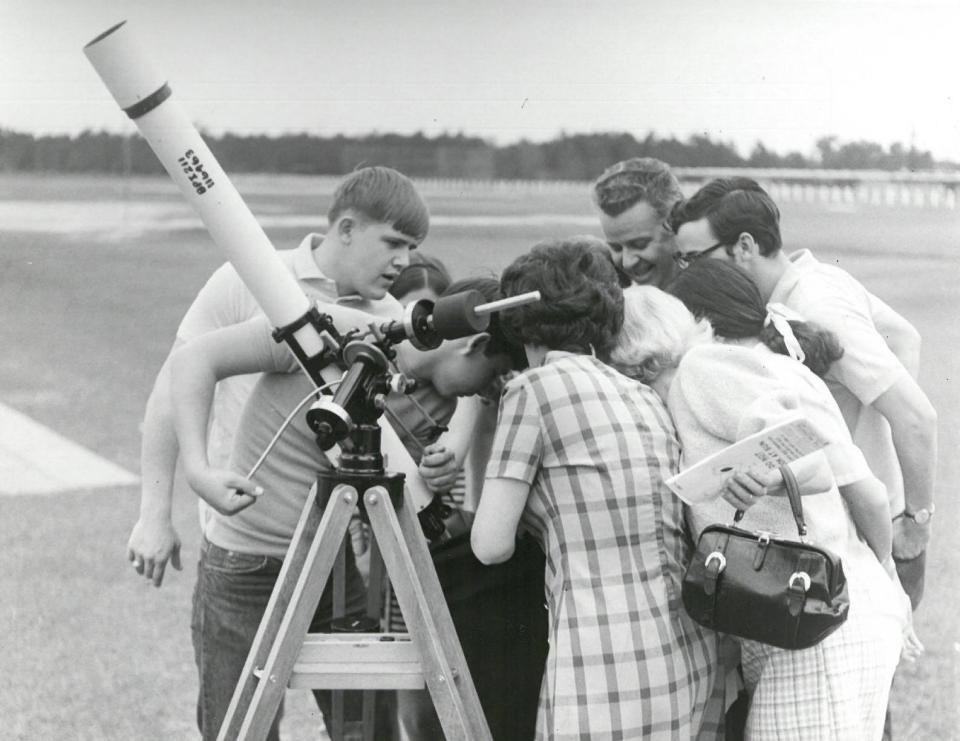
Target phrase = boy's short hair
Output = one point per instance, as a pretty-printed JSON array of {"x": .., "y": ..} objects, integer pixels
[
  {"x": 500, "y": 342},
  {"x": 733, "y": 206},
  {"x": 581, "y": 302},
  {"x": 383, "y": 196},
  {"x": 636, "y": 180}
]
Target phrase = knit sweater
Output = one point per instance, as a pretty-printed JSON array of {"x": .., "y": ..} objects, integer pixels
[{"x": 723, "y": 393}]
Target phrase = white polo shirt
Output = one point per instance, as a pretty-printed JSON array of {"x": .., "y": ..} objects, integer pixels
[
  {"x": 225, "y": 301},
  {"x": 832, "y": 298}
]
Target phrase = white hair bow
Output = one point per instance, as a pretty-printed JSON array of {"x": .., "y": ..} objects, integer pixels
[{"x": 780, "y": 317}]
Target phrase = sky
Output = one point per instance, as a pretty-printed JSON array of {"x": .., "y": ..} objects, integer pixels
[{"x": 784, "y": 73}]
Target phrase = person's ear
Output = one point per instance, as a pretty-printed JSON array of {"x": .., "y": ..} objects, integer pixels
[
  {"x": 345, "y": 228},
  {"x": 745, "y": 248},
  {"x": 477, "y": 344}
]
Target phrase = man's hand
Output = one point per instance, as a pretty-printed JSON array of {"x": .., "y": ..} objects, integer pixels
[
  {"x": 910, "y": 538},
  {"x": 152, "y": 544},
  {"x": 439, "y": 468},
  {"x": 225, "y": 491}
]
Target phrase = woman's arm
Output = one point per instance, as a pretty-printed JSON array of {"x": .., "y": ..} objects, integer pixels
[
  {"x": 870, "y": 509},
  {"x": 494, "y": 533}
]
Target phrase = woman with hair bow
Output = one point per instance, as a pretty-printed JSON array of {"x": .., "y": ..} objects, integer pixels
[{"x": 763, "y": 368}]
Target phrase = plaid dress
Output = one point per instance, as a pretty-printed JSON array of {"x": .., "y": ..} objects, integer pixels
[{"x": 625, "y": 660}]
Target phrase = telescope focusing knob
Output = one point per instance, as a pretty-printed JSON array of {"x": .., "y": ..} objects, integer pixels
[
  {"x": 400, "y": 384},
  {"x": 454, "y": 315}
]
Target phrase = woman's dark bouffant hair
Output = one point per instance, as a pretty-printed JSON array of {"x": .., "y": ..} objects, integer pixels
[
  {"x": 726, "y": 295},
  {"x": 581, "y": 302}
]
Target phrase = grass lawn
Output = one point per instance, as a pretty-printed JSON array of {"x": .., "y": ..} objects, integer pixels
[{"x": 95, "y": 274}]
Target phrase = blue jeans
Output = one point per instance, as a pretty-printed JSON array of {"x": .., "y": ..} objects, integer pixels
[{"x": 229, "y": 600}]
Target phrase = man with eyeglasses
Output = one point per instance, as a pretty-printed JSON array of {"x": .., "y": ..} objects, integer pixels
[
  {"x": 889, "y": 416},
  {"x": 633, "y": 199}
]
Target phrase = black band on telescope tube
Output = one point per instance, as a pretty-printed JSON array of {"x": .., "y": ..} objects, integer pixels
[{"x": 143, "y": 107}]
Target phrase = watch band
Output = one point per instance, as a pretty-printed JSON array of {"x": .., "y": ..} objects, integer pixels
[{"x": 922, "y": 516}]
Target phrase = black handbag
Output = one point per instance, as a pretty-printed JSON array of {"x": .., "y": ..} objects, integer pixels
[{"x": 763, "y": 588}]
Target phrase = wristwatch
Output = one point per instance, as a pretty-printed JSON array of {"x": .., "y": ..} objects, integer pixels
[{"x": 921, "y": 516}]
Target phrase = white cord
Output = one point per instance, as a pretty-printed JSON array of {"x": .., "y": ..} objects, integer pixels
[{"x": 286, "y": 423}]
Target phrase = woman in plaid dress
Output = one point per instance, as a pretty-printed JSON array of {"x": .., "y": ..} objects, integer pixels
[{"x": 579, "y": 458}]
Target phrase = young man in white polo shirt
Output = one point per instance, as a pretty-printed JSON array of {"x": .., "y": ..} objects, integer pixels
[
  {"x": 375, "y": 219},
  {"x": 889, "y": 416}
]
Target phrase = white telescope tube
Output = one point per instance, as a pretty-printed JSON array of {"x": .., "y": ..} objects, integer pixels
[{"x": 145, "y": 97}]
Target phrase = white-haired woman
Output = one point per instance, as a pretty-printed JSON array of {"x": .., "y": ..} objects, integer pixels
[{"x": 720, "y": 392}]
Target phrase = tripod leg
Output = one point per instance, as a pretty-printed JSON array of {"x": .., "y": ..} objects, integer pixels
[
  {"x": 338, "y": 711},
  {"x": 424, "y": 608},
  {"x": 302, "y": 579},
  {"x": 372, "y": 698}
]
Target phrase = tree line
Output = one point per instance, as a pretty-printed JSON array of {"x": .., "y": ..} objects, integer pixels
[{"x": 567, "y": 157}]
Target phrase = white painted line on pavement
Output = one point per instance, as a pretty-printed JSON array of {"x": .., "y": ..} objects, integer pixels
[{"x": 36, "y": 460}]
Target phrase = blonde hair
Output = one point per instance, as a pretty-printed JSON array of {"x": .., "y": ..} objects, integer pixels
[{"x": 657, "y": 330}]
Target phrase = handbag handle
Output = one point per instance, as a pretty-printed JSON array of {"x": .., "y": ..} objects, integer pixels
[{"x": 793, "y": 495}]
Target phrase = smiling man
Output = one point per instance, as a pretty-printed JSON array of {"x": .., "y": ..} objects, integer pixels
[
  {"x": 634, "y": 198},
  {"x": 375, "y": 219}
]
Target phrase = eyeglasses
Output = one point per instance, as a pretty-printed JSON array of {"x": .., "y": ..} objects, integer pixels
[{"x": 685, "y": 259}]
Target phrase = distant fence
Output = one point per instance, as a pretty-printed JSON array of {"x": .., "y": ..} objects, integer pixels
[{"x": 939, "y": 190}]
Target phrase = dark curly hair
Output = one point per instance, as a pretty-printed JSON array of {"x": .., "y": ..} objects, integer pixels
[
  {"x": 581, "y": 302},
  {"x": 726, "y": 295}
]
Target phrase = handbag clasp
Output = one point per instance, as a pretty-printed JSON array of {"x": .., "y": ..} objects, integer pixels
[{"x": 763, "y": 542}]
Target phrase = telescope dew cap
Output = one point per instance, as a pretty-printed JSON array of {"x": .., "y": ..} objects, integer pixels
[
  {"x": 454, "y": 315},
  {"x": 129, "y": 74}
]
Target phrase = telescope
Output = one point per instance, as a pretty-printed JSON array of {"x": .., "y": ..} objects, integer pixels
[{"x": 351, "y": 419}]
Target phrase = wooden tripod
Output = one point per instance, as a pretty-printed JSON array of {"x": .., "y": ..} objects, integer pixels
[{"x": 284, "y": 654}]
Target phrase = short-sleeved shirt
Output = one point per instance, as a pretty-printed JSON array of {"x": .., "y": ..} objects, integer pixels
[
  {"x": 595, "y": 447},
  {"x": 225, "y": 301},
  {"x": 832, "y": 298}
]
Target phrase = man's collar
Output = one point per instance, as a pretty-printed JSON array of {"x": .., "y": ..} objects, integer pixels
[
  {"x": 801, "y": 262},
  {"x": 305, "y": 268},
  {"x": 304, "y": 264}
]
